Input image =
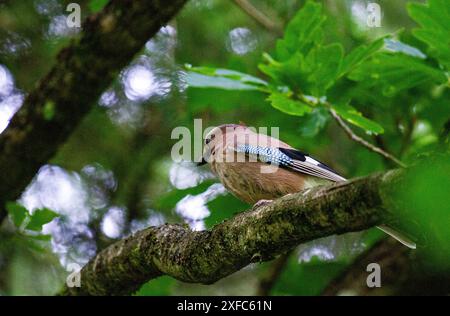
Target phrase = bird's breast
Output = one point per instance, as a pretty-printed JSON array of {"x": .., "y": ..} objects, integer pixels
[{"x": 254, "y": 181}]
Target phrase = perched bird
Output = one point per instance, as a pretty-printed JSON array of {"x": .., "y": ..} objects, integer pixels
[{"x": 257, "y": 168}]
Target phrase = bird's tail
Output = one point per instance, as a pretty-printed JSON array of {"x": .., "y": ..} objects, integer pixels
[{"x": 397, "y": 235}]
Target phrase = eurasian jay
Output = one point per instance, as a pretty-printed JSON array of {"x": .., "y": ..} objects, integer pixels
[{"x": 257, "y": 168}]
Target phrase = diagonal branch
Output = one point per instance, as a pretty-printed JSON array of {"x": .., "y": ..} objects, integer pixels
[
  {"x": 350, "y": 132},
  {"x": 362, "y": 141},
  {"x": 84, "y": 69},
  {"x": 258, "y": 16},
  {"x": 252, "y": 236}
]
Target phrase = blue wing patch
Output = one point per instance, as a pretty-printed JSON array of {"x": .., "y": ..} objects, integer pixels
[{"x": 291, "y": 159}]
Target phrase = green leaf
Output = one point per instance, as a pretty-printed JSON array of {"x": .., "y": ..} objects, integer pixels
[
  {"x": 303, "y": 32},
  {"x": 324, "y": 63},
  {"x": 395, "y": 72},
  {"x": 228, "y": 73},
  {"x": 39, "y": 218},
  {"x": 301, "y": 63},
  {"x": 159, "y": 286},
  {"x": 353, "y": 116},
  {"x": 290, "y": 72},
  {"x": 359, "y": 54},
  {"x": 311, "y": 124},
  {"x": 282, "y": 102},
  {"x": 195, "y": 80},
  {"x": 17, "y": 212},
  {"x": 207, "y": 77},
  {"x": 97, "y": 5},
  {"x": 41, "y": 237},
  {"x": 433, "y": 18},
  {"x": 397, "y": 46}
]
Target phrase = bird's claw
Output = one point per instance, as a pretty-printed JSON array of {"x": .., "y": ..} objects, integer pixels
[{"x": 261, "y": 203}]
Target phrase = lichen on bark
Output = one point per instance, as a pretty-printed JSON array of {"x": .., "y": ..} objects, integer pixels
[{"x": 252, "y": 236}]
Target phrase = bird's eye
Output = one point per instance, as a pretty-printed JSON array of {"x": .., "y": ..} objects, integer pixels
[{"x": 208, "y": 140}]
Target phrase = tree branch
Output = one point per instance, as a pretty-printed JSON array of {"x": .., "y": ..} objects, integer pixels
[
  {"x": 84, "y": 69},
  {"x": 258, "y": 16},
  {"x": 252, "y": 236},
  {"x": 362, "y": 141}
]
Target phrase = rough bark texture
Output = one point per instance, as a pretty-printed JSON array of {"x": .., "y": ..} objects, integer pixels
[
  {"x": 82, "y": 72},
  {"x": 252, "y": 236}
]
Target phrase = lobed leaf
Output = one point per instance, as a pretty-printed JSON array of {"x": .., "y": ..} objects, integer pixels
[{"x": 353, "y": 116}]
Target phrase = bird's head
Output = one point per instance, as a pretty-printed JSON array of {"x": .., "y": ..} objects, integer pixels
[{"x": 219, "y": 137}]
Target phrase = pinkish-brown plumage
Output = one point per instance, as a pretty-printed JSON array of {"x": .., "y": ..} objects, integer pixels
[
  {"x": 246, "y": 179},
  {"x": 246, "y": 174}
]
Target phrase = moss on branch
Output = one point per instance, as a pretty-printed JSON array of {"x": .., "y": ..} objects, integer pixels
[{"x": 252, "y": 236}]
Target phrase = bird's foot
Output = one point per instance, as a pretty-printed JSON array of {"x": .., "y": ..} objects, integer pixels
[{"x": 261, "y": 203}]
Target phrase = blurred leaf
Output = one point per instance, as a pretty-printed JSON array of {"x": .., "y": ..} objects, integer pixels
[
  {"x": 228, "y": 73},
  {"x": 161, "y": 286},
  {"x": 395, "y": 72},
  {"x": 433, "y": 18},
  {"x": 41, "y": 237},
  {"x": 41, "y": 217},
  {"x": 17, "y": 212},
  {"x": 352, "y": 115},
  {"x": 195, "y": 80},
  {"x": 32, "y": 269},
  {"x": 206, "y": 77},
  {"x": 424, "y": 209},
  {"x": 284, "y": 103},
  {"x": 224, "y": 207},
  {"x": 311, "y": 125},
  {"x": 397, "y": 46},
  {"x": 218, "y": 101},
  {"x": 97, "y": 5}
]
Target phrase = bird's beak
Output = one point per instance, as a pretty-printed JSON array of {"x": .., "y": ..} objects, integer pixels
[
  {"x": 205, "y": 157},
  {"x": 203, "y": 162}
]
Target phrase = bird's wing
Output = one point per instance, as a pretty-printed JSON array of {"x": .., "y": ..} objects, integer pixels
[{"x": 291, "y": 159}]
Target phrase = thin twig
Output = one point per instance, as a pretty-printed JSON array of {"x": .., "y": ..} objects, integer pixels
[
  {"x": 258, "y": 16},
  {"x": 362, "y": 141}
]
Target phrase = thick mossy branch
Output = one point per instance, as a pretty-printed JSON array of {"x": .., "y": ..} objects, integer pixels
[
  {"x": 252, "y": 236},
  {"x": 83, "y": 70}
]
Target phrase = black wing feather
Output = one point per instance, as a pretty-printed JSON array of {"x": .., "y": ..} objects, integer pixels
[{"x": 306, "y": 164}]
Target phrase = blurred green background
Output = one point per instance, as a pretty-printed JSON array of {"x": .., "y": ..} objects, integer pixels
[{"x": 115, "y": 174}]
